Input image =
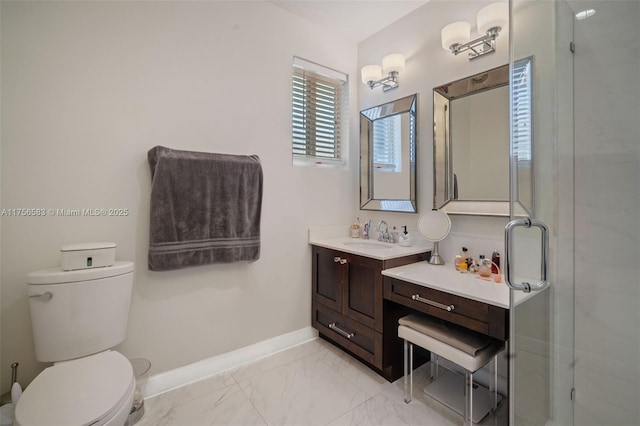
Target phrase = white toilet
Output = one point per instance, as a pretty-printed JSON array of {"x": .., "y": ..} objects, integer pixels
[{"x": 77, "y": 317}]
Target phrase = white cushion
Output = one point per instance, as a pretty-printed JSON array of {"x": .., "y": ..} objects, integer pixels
[{"x": 461, "y": 338}]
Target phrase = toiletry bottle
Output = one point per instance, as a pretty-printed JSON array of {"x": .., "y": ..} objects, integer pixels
[
  {"x": 461, "y": 260},
  {"x": 484, "y": 267},
  {"x": 355, "y": 229},
  {"x": 472, "y": 264},
  {"x": 394, "y": 237},
  {"x": 495, "y": 259},
  {"x": 467, "y": 256},
  {"x": 461, "y": 264}
]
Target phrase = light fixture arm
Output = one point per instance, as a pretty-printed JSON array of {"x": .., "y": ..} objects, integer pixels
[
  {"x": 389, "y": 82},
  {"x": 480, "y": 46}
]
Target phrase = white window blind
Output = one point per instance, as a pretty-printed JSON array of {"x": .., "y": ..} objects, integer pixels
[
  {"x": 522, "y": 110},
  {"x": 319, "y": 110},
  {"x": 387, "y": 146}
]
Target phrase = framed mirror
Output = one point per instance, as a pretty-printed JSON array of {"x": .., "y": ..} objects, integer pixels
[
  {"x": 471, "y": 143},
  {"x": 388, "y": 156}
]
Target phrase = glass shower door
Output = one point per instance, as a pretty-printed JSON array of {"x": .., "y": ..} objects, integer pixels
[{"x": 539, "y": 239}]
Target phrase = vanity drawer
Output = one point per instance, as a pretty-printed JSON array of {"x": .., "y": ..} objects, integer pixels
[
  {"x": 478, "y": 316},
  {"x": 362, "y": 341}
]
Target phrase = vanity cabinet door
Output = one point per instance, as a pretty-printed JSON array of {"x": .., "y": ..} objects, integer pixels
[
  {"x": 328, "y": 277},
  {"x": 362, "y": 295},
  {"x": 349, "y": 284}
]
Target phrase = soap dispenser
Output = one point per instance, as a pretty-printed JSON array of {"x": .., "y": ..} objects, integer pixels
[{"x": 405, "y": 238}]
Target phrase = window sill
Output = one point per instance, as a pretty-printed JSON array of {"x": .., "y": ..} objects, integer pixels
[{"x": 323, "y": 163}]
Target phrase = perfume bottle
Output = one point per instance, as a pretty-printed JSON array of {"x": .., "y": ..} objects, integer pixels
[
  {"x": 495, "y": 262},
  {"x": 467, "y": 256},
  {"x": 461, "y": 261},
  {"x": 484, "y": 268}
]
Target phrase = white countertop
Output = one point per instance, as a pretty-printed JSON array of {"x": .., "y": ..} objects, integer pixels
[
  {"x": 368, "y": 248},
  {"x": 446, "y": 278}
]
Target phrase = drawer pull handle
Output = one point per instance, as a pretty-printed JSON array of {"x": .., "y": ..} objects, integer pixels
[
  {"x": 447, "y": 308},
  {"x": 335, "y": 328}
]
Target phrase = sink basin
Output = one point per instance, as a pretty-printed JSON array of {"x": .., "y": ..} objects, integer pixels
[{"x": 368, "y": 245}]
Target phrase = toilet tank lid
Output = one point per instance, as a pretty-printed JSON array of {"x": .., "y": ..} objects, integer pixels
[
  {"x": 87, "y": 246},
  {"x": 58, "y": 276}
]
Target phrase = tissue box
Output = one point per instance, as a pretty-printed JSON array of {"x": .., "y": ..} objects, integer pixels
[{"x": 87, "y": 255}]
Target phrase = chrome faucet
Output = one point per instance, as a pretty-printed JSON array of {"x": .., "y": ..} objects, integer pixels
[{"x": 383, "y": 235}]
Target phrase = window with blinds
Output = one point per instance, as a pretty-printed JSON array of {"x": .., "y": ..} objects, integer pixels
[
  {"x": 387, "y": 145},
  {"x": 319, "y": 114},
  {"x": 522, "y": 110}
]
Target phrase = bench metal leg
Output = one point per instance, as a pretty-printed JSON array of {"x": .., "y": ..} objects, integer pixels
[
  {"x": 493, "y": 383},
  {"x": 408, "y": 371},
  {"x": 468, "y": 393},
  {"x": 434, "y": 366}
]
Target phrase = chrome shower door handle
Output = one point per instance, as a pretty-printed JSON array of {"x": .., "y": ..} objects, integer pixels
[{"x": 544, "y": 255}]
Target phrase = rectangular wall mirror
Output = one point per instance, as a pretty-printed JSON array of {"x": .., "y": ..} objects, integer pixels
[
  {"x": 388, "y": 156},
  {"x": 471, "y": 143}
]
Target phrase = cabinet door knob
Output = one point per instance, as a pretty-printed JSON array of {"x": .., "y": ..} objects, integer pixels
[
  {"x": 343, "y": 261},
  {"x": 336, "y": 259}
]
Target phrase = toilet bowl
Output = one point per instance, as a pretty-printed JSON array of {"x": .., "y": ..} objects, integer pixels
[
  {"x": 95, "y": 390},
  {"x": 77, "y": 316}
]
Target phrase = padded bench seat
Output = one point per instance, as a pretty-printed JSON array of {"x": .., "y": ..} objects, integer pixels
[{"x": 468, "y": 349}]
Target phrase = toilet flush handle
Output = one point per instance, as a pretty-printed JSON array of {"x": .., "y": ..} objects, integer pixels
[{"x": 44, "y": 296}]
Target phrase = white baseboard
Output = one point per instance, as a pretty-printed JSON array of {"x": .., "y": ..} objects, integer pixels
[{"x": 172, "y": 379}]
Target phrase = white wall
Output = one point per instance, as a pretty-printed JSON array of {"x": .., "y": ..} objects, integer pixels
[
  {"x": 88, "y": 88},
  {"x": 417, "y": 36}
]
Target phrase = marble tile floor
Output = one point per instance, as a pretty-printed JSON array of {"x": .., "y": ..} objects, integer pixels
[{"x": 311, "y": 384}]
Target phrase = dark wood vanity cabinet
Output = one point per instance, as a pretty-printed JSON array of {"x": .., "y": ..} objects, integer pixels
[
  {"x": 477, "y": 316},
  {"x": 347, "y": 300}
]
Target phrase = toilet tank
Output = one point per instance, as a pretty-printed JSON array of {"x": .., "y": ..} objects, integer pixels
[{"x": 79, "y": 313}]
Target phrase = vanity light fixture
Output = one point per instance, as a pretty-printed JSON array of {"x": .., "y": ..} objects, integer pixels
[
  {"x": 391, "y": 66},
  {"x": 490, "y": 19}
]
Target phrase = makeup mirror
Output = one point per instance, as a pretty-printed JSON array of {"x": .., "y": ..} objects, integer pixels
[{"x": 434, "y": 226}]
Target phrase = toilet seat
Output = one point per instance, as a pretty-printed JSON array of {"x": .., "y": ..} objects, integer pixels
[{"x": 84, "y": 391}]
